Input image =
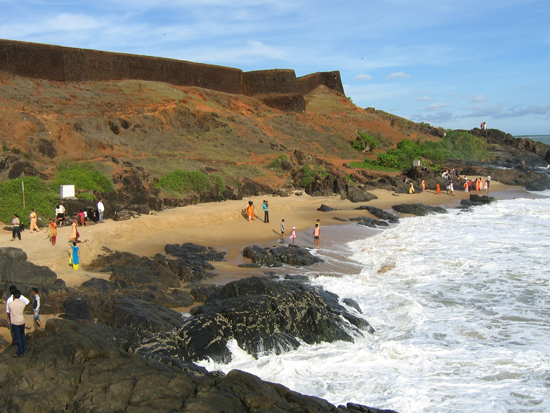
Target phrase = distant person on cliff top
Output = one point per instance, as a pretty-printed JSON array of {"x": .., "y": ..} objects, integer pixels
[
  {"x": 250, "y": 211},
  {"x": 100, "y": 210}
]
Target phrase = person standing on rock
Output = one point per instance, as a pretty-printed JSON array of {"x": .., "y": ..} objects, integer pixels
[
  {"x": 317, "y": 236},
  {"x": 100, "y": 210},
  {"x": 36, "y": 308},
  {"x": 33, "y": 219},
  {"x": 25, "y": 300},
  {"x": 15, "y": 227},
  {"x": 17, "y": 320},
  {"x": 266, "y": 212}
]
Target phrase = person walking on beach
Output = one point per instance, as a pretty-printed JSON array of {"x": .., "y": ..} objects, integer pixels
[
  {"x": 266, "y": 212},
  {"x": 15, "y": 227},
  {"x": 293, "y": 235},
  {"x": 423, "y": 185},
  {"x": 36, "y": 308},
  {"x": 60, "y": 215},
  {"x": 74, "y": 256},
  {"x": 466, "y": 185},
  {"x": 282, "y": 228},
  {"x": 317, "y": 236},
  {"x": 74, "y": 232},
  {"x": 100, "y": 210},
  {"x": 438, "y": 189},
  {"x": 411, "y": 188},
  {"x": 15, "y": 310},
  {"x": 53, "y": 231},
  {"x": 33, "y": 219},
  {"x": 250, "y": 211}
]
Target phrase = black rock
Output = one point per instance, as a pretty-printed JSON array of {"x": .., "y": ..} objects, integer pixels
[
  {"x": 277, "y": 256},
  {"x": 263, "y": 316},
  {"x": 380, "y": 213},
  {"x": 418, "y": 209},
  {"x": 325, "y": 208},
  {"x": 356, "y": 194}
]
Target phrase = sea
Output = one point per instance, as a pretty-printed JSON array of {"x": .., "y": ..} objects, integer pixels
[{"x": 460, "y": 305}]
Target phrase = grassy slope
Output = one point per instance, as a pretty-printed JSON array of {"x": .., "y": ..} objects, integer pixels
[{"x": 162, "y": 127}]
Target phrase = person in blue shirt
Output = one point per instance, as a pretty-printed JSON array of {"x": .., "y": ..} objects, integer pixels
[{"x": 266, "y": 212}]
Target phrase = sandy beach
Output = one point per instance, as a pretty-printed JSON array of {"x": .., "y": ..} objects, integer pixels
[{"x": 220, "y": 225}]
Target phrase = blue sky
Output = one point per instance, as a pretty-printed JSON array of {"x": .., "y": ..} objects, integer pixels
[{"x": 449, "y": 63}]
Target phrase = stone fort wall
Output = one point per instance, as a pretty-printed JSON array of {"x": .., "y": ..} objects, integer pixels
[{"x": 67, "y": 64}]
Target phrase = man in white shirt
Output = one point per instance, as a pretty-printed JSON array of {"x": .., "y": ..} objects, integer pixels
[
  {"x": 100, "y": 210},
  {"x": 23, "y": 299},
  {"x": 17, "y": 320}
]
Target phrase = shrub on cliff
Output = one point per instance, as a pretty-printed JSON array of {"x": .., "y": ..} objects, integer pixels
[
  {"x": 364, "y": 142},
  {"x": 183, "y": 182},
  {"x": 83, "y": 177}
]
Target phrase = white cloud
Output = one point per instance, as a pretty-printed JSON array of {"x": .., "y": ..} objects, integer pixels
[
  {"x": 442, "y": 116},
  {"x": 437, "y": 106},
  {"x": 517, "y": 111},
  {"x": 363, "y": 77},
  {"x": 479, "y": 98},
  {"x": 398, "y": 75},
  {"x": 424, "y": 99}
]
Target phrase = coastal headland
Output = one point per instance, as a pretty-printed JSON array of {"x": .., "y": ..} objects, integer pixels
[{"x": 176, "y": 150}]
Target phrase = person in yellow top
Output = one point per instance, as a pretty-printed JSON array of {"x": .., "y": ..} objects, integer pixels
[
  {"x": 411, "y": 188},
  {"x": 33, "y": 218}
]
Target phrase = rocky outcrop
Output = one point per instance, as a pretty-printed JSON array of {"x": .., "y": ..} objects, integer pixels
[
  {"x": 380, "y": 213},
  {"x": 356, "y": 194},
  {"x": 16, "y": 270},
  {"x": 419, "y": 209},
  {"x": 79, "y": 368},
  {"x": 277, "y": 256},
  {"x": 263, "y": 316},
  {"x": 369, "y": 222},
  {"x": 477, "y": 200}
]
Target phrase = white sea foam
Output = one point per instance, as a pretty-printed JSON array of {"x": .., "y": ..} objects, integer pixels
[{"x": 461, "y": 309}]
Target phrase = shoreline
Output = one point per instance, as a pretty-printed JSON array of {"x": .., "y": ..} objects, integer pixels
[{"x": 219, "y": 225}]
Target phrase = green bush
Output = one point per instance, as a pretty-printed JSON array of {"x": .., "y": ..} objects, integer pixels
[
  {"x": 389, "y": 160},
  {"x": 368, "y": 164},
  {"x": 364, "y": 142},
  {"x": 219, "y": 183},
  {"x": 276, "y": 164},
  {"x": 38, "y": 196},
  {"x": 311, "y": 173},
  {"x": 185, "y": 181},
  {"x": 83, "y": 178}
]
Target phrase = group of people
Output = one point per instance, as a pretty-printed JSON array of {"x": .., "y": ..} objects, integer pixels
[
  {"x": 15, "y": 308},
  {"x": 250, "y": 212},
  {"x": 478, "y": 184}
]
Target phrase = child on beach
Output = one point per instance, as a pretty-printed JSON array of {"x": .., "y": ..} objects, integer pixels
[
  {"x": 282, "y": 228},
  {"x": 317, "y": 236},
  {"x": 293, "y": 236},
  {"x": 36, "y": 308}
]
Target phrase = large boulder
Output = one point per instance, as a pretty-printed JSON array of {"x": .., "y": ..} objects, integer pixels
[
  {"x": 356, "y": 194},
  {"x": 16, "y": 270},
  {"x": 262, "y": 315},
  {"x": 380, "y": 213},
  {"x": 418, "y": 209},
  {"x": 277, "y": 256}
]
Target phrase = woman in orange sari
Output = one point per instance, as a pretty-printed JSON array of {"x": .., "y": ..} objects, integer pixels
[
  {"x": 438, "y": 189},
  {"x": 250, "y": 211}
]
